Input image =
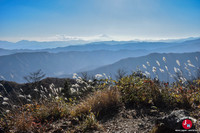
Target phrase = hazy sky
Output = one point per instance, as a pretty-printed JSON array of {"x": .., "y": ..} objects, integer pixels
[{"x": 89, "y": 19}]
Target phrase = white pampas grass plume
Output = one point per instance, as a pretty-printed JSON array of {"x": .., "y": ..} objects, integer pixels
[
  {"x": 78, "y": 80},
  {"x": 170, "y": 75},
  {"x": 154, "y": 69},
  {"x": 28, "y": 100},
  {"x": 166, "y": 68},
  {"x": 144, "y": 66},
  {"x": 14, "y": 106},
  {"x": 45, "y": 89},
  {"x": 158, "y": 63},
  {"x": 189, "y": 61},
  {"x": 36, "y": 90},
  {"x": 161, "y": 70},
  {"x": 183, "y": 79},
  {"x": 185, "y": 64},
  {"x": 190, "y": 64},
  {"x": 175, "y": 69},
  {"x": 144, "y": 74},
  {"x": 189, "y": 74},
  {"x": 21, "y": 96},
  {"x": 72, "y": 90},
  {"x": 164, "y": 59},
  {"x": 5, "y": 103},
  {"x": 5, "y": 99},
  {"x": 187, "y": 68},
  {"x": 148, "y": 63},
  {"x": 178, "y": 70},
  {"x": 75, "y": 75},
  {"x": 75, "y": 85},
  {"x": 178, "y": 62},
  {"x": 98, "y": 76},
  {"x": 147, "y": 73},
  {"x": 105, "y": 76},
  {"x": 196, "y": 59},
  {"x": 60, "y": 89}
]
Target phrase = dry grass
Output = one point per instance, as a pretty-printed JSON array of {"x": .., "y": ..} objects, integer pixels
[
  {"x": 98, "y": 102},
  {"x": 90, "y": 123},
  {"x": 32, "y": 116},
  {"x": 22, "y": 122},
  {"x": 50, "y": 111}
]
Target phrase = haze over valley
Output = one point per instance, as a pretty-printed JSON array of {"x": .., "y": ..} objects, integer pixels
[{"x": 57, "y": 62}]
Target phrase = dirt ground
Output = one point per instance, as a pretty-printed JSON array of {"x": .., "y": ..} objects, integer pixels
[{"x": 125, "y": 121}]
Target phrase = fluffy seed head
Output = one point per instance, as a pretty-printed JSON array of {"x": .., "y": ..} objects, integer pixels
[
  {"x": 98, "y": 76},
  {"x": 147, "y": 73},
  {"x": 144, "y": 66},
  {"x": 5, "y": 103},
  {"x": 166, "y": 68},
  {"x": 161, "y": 70},
  {"x": 154, "y": 69},
  {"x": 21, "y": 96},
  {"x": 148, "y": 63},
  {"x": 196, "y": 59},
  {"x": 164, "y": 59},
  {"x": 178, "y": 62},
  {"x": 5, "y": 99},
  {"x": 158, "y": 63},
  {"x": 75, "y": 75},
  {"x": 72, "y": 90},
  {"x": 175, "y": 69},
  {"x": 189, "y": 61},
  {"x": 187, "y": 68},
  {"x": 36, "y": 90},
  {"x": 190, "y": 64}
]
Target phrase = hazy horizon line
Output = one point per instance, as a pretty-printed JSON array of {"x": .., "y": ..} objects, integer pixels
[{"x": 94, "y": 38}]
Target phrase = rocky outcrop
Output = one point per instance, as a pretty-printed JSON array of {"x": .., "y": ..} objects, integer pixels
[{"x": 172, "y": 123}]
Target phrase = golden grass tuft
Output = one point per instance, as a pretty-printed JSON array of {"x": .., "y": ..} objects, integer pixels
[{"x": 98, "y": 102}]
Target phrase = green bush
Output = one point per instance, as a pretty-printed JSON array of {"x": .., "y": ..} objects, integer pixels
[{"x": 139, "y": 90}]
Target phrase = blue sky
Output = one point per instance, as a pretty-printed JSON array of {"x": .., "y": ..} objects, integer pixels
[{"x": 89, "y": 19}]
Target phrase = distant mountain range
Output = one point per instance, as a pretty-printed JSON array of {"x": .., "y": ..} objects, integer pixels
[
  {"x": 139, "y": 63},
  {"x": 35, "y": 45},
  {"x": 13, "y": 67},
  {"x": 56, "y": 62},
  {"x": 176, "y": 47},
  {"x": 150, "y": 46}
]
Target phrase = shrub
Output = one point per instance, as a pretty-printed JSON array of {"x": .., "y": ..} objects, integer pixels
[
  {"x": 139, "y": 90},
  {"x": 186, "y": 96}
]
